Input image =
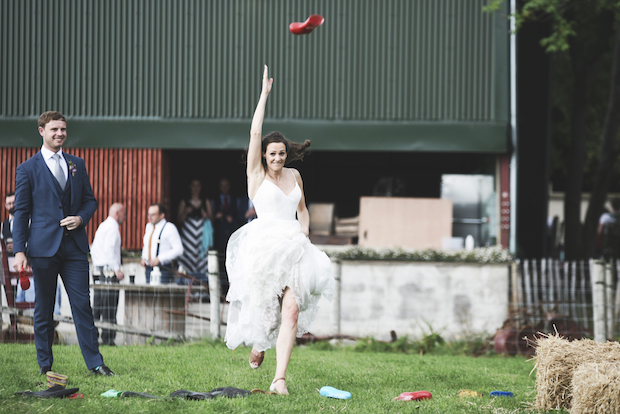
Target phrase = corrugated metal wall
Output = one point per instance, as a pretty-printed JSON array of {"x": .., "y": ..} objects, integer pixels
[
  {"x": 135, "y": 177},
  {"x": 423, "y": 60}
]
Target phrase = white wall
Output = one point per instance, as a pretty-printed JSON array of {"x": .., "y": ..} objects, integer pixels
[{"x": 407, "y": 297}]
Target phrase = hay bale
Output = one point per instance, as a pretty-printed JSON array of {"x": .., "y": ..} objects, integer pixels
[
  {"x": 595, "y": 388},
  {"x": 556, "y": 361}
]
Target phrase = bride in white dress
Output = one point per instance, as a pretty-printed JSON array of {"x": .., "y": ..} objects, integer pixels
[{"x": 276, "y": 275}]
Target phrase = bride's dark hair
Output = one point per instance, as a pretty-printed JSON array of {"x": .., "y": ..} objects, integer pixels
[{"x": 294, "y": 150}]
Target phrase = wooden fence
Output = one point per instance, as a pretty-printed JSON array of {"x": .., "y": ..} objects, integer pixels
[
  {"x": 549, "y": 293},
  {"x": 546, "y": 289}
]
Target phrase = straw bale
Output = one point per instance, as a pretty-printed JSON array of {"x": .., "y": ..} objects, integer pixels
[
  {"x": 595, "y": 388},
  {"x": 556, "y": 361}
]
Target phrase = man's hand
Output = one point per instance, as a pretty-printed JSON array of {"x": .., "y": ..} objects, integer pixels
[
  {"x": 71, "y": 222},
  {"x": 154, "y": 262},
  {"x": 142, "y": 262},
  {"x": 20, "y": 262},
  {"x": 120, "y": 275}
]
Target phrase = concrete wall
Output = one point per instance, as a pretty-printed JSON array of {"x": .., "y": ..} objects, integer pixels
[{"x": 453, "y": 298}]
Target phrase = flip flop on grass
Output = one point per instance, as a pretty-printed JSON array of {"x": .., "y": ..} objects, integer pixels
[
  {"x": 332, "y": 392},
  {"x": 468, "y": 393},
  {"x": 413, "y": 396}
]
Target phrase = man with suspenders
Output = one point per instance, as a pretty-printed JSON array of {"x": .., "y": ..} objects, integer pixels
[{"x": 162, "y": 244}]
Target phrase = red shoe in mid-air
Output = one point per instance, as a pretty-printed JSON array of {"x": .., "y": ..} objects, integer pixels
[{"x": 306, "y": 27}]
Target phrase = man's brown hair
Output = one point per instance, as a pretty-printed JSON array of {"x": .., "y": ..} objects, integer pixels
[{"x": 50, "y": 116}]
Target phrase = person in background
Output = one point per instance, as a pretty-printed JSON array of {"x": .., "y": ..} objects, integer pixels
[
  {"x": 106, "y": 253},
  {"x": 162, "y": 244},
  {"x": 608, "y": 231},
  {"x": 194, "y": 217},
  {"x": 224, "y": 224},
  {"x": 224, "y": 213},
  {"x": 54, "y": 201},
  {"x": 6, "y": 228},
  {"x": 6, "y": 232},
  {"x": 246, "y": 209}
]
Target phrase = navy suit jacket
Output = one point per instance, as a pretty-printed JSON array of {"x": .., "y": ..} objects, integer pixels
[{"x": 37, "y": 200}]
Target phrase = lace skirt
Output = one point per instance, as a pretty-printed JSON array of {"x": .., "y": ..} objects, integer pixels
[{"x": 263, "y": 258}]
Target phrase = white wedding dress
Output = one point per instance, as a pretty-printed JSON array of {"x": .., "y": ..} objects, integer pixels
[{"x": 264, "y": 257}]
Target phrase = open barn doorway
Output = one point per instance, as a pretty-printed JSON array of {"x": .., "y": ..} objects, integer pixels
[{"x": 339, "y": 177}]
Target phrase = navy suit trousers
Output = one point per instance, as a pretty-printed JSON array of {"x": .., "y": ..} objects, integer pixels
[{"x": 72, "y": 265}]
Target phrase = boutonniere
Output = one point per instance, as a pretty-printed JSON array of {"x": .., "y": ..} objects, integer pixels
[{"x": 72, "y": 168}]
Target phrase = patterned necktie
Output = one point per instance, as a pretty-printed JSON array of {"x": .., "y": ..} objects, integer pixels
[{"x": 59, "y": 173}]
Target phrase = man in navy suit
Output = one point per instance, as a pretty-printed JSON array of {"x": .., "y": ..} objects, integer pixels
[{"x": 53, "y": 203}]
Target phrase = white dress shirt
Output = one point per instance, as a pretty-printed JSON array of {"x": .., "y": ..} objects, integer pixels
[
  {"x": 11, "y": 257},
  {"x": 51, "y": 163},
  {"x": 170, "y": 245},
  {"x": 10, "y": 226},
  {"x": 106, "y": 248}
]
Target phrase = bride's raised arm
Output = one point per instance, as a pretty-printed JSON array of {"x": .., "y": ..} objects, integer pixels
[{"x": 254, "y": 165}]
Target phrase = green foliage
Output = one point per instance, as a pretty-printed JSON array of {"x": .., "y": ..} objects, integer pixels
[
  {"x": 372, "y": 345},
  {"x": 582, "y": 25},
  {"x": 431, "y": 343},
  {"x": 479, "y": 255},
  {"x": 473, "y": 345},
  {"x": 564, "y": 17},
  {"x": 321, "y": 346},
  {"x": 493, "y": 6}
]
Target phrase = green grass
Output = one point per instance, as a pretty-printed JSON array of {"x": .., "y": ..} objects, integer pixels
[{"x": 373, "y": 378}]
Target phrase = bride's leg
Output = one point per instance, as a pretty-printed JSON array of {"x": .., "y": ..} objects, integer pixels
[{"x": 286, "y": 338}]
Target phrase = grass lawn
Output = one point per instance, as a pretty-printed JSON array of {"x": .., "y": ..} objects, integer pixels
[{"x": 373, "y": 378}]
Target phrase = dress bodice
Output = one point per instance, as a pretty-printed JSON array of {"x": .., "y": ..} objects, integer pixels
[
  {"x": 271, "y": 203},
  {"x": 196, "y": 212}
]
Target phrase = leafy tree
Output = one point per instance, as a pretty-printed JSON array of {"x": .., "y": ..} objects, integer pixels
[{"x": 585, "y": 35}]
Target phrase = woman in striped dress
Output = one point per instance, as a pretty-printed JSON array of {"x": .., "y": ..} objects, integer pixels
[{"x": 193, "y": 213}]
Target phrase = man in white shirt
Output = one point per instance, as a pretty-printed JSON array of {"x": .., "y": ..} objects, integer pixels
[
  {"x": 6, "y": 231},
  {"x": 162, "y": 244},
  {"x": 106, "y": 252}
]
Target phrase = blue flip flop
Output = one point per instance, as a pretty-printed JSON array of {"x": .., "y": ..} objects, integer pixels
[
  {"x": 500, "y": 394},
  {"x": 335, "y": 393}
]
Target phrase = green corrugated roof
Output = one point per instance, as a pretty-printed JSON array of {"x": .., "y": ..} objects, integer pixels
[{"x": 415, "y": 74}]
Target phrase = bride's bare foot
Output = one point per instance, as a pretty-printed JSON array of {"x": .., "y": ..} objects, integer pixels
[
  {"x": 256, "y": 358},
  {"x": 279, "y": 385}
]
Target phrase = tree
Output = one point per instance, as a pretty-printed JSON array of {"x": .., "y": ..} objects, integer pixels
[{"x": 585, "y": 31}]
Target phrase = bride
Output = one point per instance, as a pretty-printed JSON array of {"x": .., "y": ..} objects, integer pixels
[{"x": 276, "y": 275}]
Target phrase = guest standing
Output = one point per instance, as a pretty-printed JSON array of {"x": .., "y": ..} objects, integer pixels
[
  {"x": 53, "y": 203},
  {"x": 195, "y": 219},
  {"x": 106, "y": 252},
  {"x": 162, "y": 244}
]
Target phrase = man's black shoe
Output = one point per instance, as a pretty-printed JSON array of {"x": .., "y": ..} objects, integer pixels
[
  {"x": 44, "y": 370},
  {"x": 102, "y": 370}
]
